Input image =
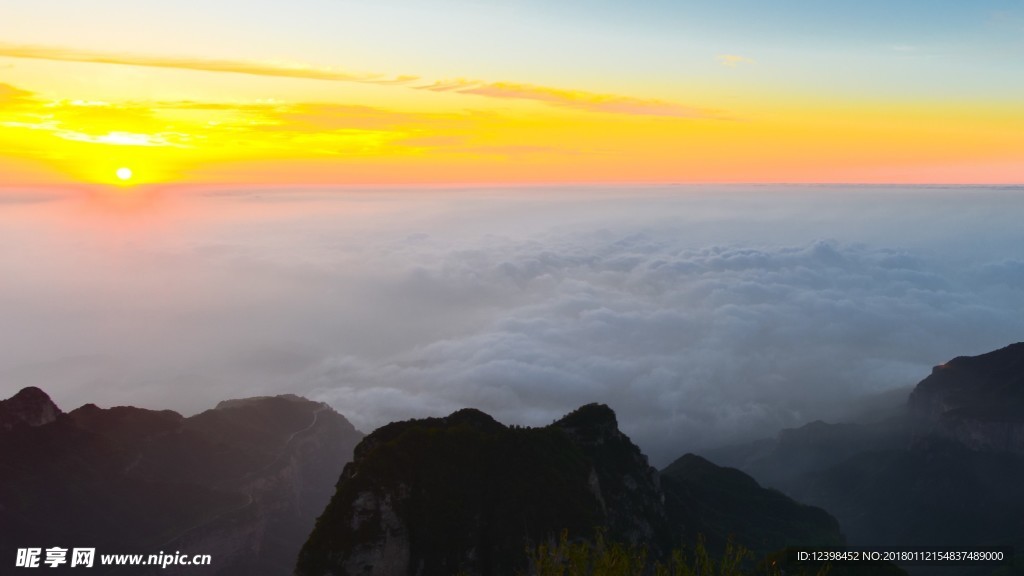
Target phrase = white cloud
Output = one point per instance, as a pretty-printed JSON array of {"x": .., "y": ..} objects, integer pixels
[
  {"x": 692, "y": 347},
  {"x": 700, "y": 317}
]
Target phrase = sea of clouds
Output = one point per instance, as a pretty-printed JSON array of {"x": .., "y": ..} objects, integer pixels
[{"x": 702, "y": 315}]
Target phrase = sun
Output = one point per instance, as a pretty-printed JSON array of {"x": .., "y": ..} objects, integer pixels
[{"x": 124, "y": 173}]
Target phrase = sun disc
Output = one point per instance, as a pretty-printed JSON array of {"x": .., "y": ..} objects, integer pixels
[{"x": 124, "y": 173}]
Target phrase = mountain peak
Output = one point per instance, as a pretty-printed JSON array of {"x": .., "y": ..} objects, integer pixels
[
  {"x": 31, "y": 393},
  {"x": 978, "y": 400},
  {"x": 1005, "y": 361},
  {"x": 592, "y": 417},
  {"x": 725, "y": 504},
  {"x": 693, "y": 466},
  {"x": 30, "y": 406},
  {"x": 465, "y": 492},
  {"x": 472, "y": 417},
  {"x": 255, "y": 400},
  {"x": 243, "y": 484},
  {"x": 986, "y": 387}
]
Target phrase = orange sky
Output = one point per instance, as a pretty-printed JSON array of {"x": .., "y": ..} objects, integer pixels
[{"x": 76, "y": 112}]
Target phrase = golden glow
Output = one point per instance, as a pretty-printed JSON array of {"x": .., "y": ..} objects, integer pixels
[{"x": 402, "y": 130}]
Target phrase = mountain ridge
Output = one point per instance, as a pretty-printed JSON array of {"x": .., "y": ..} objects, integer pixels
[
  {"x": 467, "y": 494},
  {"x": 242, "y": 482},
  {"x": 946, "y": 471},
  {"x": 29, "y": 407}
]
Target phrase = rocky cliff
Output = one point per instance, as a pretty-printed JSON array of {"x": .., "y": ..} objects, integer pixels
[
  {"x": 976, "y": 401},
  {"x": 466, "y": 494},
  {"x": 946, "y": 472},
  {"x": 242, "y": 482},
  {"x": 29, "y": 407}
]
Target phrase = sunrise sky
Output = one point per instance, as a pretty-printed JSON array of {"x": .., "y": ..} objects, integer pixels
[{"x": 385, "y": 92}]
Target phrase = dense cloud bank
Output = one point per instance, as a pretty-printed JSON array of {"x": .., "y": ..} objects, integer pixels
[{"x": 701, "y": 317}]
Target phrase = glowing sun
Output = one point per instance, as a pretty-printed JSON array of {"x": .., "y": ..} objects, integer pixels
[{"x": 125, "y": 174}]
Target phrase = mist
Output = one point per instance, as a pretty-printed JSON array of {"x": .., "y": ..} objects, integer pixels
[{"x": 703, "y": 315}]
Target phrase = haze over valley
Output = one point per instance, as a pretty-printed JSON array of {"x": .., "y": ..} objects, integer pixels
[{"x": 703, "y": 315}]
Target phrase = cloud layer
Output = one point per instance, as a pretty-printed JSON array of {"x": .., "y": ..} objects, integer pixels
[{"x": 701, "y": 317}]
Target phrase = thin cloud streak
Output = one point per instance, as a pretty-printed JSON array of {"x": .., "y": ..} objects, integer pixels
[
  {"x": 197, "y": 64},
  {"x": 151, "y": 124},
  {"x": 733, "y": 60},
  {"x": 560, "y": 97},
  {"x": 589, "y": 101}
]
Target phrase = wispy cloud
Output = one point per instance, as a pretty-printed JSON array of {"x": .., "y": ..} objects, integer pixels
[
  {"x": 244, "y": 128},
  {"x": 94, "y": 122},
  {"x": 554, "y": 96},
  {"x": 456, "y": 85},
  {"x": 112, "y": 138},
  {"x": 321, "y": 117},
  {"x": 460, "y": 144},
  {"x": 580, "y": 100},
  {"x": 123, "y": 138},
  {"x": 198, "y": 64},
  {"x": 733, "y": 60}
]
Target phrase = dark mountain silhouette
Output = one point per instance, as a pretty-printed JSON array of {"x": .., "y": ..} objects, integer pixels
[
  {"x": 466, "y": 494},
  {"x": 937, "y": 493},
  {"x": 703, "y": 499},
  {"x": 784, "y": 461},
  {"x": 29, "y": 407},
  {"x": 948, "y": 471},
  {"x": 976, "y": 401},
  {"x": 242, "y": 482}
]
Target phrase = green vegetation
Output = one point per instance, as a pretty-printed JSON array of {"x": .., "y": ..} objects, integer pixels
[
  {"x": 580, "y": 558},
  {"x": 603, "y": 558}
]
